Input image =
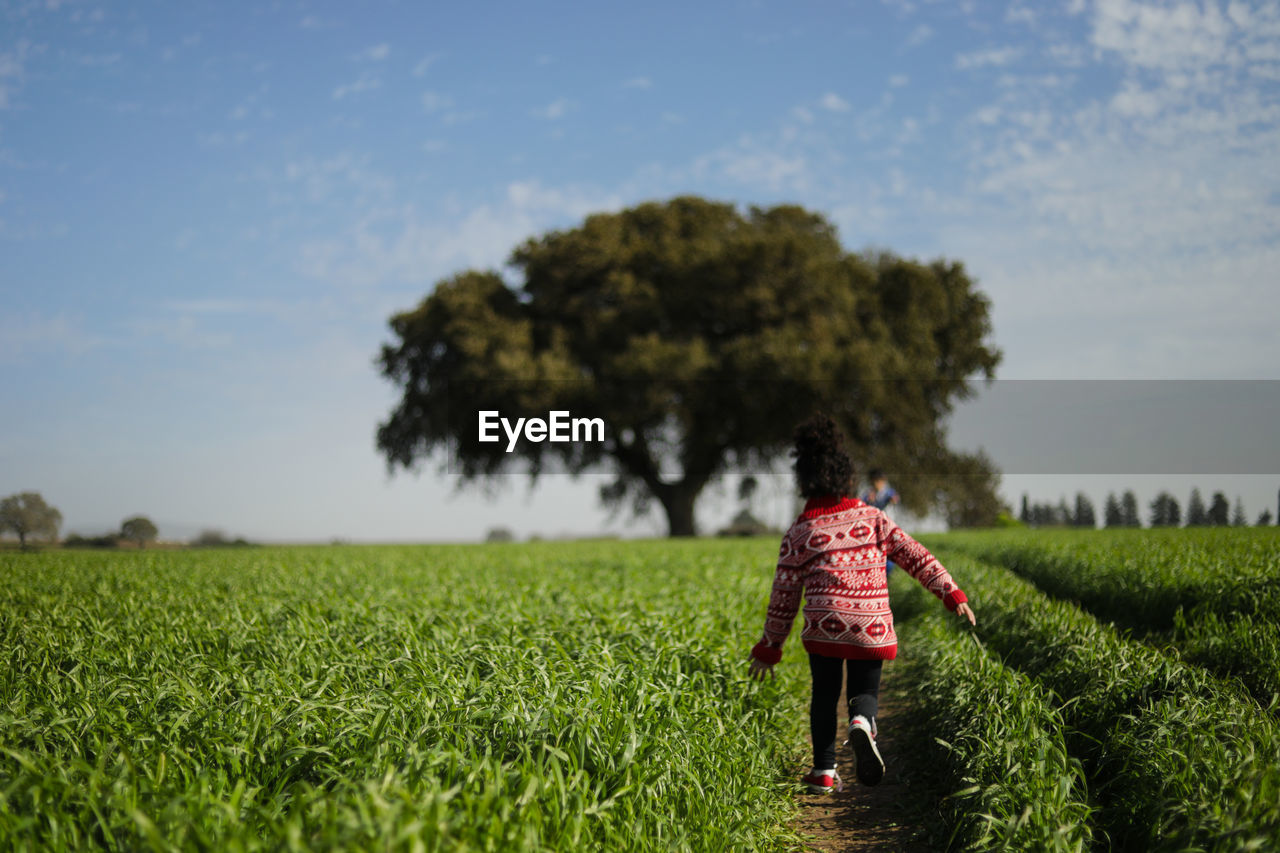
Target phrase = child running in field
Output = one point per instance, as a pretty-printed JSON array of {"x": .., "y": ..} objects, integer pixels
[{"x": 835, "y": 555}]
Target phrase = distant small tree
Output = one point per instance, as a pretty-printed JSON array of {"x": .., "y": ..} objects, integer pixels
[
  {"x": 1129, "y": 510},
  {"x": 500, "y": 534},
  {"x": 1024, "y": 514},
  {"x": 1265, "y": 518},
  {"x": 1165, "y": 511},
  {"x": 1196, "y": 514},
  {"x": 211, "y": 538},
  {"x": 745, "y": 524},
  {"x": 1112, "y": 514},
  {"x": 139, "y": 530},
  {"x": 1219, "y": 510},
  {"x": 106, "y": 540},
  {"x": 1084, "y": 515},
  {"x": 1238, "y": 518},
  {"x": 27, "y": 514}
]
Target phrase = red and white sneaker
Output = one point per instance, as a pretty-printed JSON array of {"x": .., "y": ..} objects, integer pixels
[
  {"x": 862, "y": 741},
  {"x": 822, "y": 781}
]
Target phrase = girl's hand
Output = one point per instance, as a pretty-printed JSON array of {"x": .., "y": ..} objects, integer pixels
[
  {"x": 759, "y": 668},
  {"x": 964, "y": 610}
]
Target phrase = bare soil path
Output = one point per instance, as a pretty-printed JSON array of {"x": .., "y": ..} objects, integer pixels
[{"x": 888, "y": 816}]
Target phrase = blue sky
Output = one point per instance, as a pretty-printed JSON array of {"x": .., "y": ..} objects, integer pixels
[{"x": 208, "y": 211}]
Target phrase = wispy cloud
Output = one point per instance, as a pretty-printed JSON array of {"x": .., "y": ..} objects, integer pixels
[
  {"x": 1019, "y": 14},
  {"x": 637, "y": 83},
  {"x": 921, "y": 34},
  {"x": 455, "y": 117},
  {"x": 365, "y": 83},
  {"x": 218, "y": 139},
  {"x": 833, "y": 102},
  {"x": 763, "y": 163},
  {"x": 170, "y": 53},
  {"x": 33, "y": 334},
  {"x": 376, "y": 53},
  {"x": 554, "y": 110},
  {"x": 992, "y": 56},
  {"x": 434, "y": 102},
  {"x": 1134, "y": 193},
  {"x": 251, "y": 105},
  {"x": 346, "y": 178},
  {"x": 1185, "y": 36},
  {"x": 218, "y": 306},
  {"x": 405, "y": 246},
  {"x": 98, "y": 60},
  {"x": 13, "y": 71},
  {"x": 424, "y": 64}
]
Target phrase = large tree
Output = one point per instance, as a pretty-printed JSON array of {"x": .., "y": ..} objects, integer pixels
[
  {"x": 27, "y": 514},
  {"x": 700, "y": 335}
]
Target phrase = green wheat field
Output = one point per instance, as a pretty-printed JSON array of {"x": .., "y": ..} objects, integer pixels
[{"x": 1121, "y": 690}]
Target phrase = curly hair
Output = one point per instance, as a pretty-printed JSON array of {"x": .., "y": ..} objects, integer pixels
[{"x": 822, "y": 466}]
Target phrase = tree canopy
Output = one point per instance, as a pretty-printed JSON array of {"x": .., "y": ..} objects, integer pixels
[
  {"x": 700, "y": 335},
  {"x": 140, "y": 530},
  {"x": 27, "y": 514},
  {"x": 1165, "y": 511}
]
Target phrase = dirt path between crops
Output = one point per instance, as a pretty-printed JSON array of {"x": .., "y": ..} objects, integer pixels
[{"x": 884, "y": 817}]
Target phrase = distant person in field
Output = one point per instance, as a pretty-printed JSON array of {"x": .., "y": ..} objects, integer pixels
[
  {"x": 834, "y": 554},
  {"x": 883, "y": 497}
]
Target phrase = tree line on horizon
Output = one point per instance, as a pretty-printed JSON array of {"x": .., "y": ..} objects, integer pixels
[
  {"x": 28, "y": 516},
  {"x": 1122, "y": 511}
]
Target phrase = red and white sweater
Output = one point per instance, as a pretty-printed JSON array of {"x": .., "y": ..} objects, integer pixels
[{"x": 835, "y": 553}]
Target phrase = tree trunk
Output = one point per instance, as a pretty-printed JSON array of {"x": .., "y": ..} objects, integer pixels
[{"x": 678, "y": 500}]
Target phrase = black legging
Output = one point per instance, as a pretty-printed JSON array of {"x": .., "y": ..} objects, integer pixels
[{"x": 863, "y": 691}]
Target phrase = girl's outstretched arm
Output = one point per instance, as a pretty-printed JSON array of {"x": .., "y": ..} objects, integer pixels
[{"x": 916, "y": 560}]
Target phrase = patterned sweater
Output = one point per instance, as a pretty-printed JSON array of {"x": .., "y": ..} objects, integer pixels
[{"x": 835, "y": 554}]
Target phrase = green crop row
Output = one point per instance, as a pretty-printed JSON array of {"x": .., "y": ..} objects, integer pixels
[
  {"x": 587, "y": 696},
  {"x": 1213, "y": 593},
  {"x": 999, "y": 755},
  {"x": 1176, "y": 758},
  {"x": 1142, "y": 578}
]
